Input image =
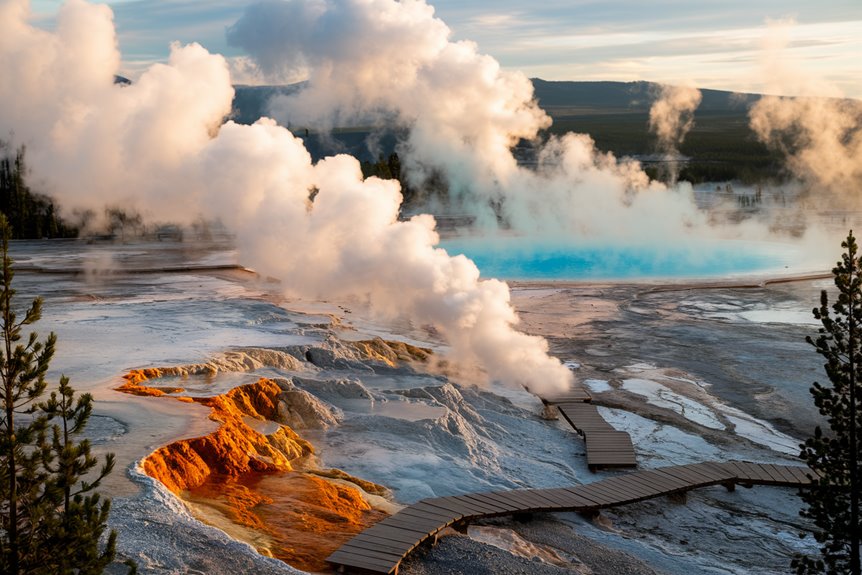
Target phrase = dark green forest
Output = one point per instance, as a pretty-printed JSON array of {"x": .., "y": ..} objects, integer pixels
[
  {"x": 31, "y": 215},
  {"x": 720, "y": 148}
]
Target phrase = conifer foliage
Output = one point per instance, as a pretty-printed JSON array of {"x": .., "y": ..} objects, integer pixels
[
  {"x": 51, "y": 519},
  {"x": 833, "y": 502}
]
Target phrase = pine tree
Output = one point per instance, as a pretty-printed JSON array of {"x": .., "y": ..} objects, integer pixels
[
  {"x": 833, "y": 502},
  {"x": 51, "y": 519}
]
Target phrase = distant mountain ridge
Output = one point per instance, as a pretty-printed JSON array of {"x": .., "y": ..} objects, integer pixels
[
  {"x": 629, "y": 96},
  {"x": 721, "y": 145},
  {"x": 556, "y": 97}
]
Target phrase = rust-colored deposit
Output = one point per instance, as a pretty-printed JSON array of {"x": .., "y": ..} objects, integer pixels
[
  {"x": 306, "y": 517},
  {"x": 135, "y": 379},
  {"x": 245, "y": 470},
  {"x": 235, "y": 448}
]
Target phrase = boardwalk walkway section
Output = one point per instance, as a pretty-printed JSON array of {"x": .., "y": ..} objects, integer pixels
[
  {"x": 606, "y": 447},
  {"x": 382, "y": 547}
]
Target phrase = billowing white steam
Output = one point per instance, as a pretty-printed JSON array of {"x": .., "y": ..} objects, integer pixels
[
  {"x": 159, "y": 144},
  {"x": 394, "y": 61},
  {"x": 382, "y": 60},
  {"x": 671, "y": 117},
  {"x": 820, "y": 137}
]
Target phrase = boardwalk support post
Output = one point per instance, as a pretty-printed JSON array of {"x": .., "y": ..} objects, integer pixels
[
  {"x": 680, "y": 497},
  {"x": 730, "y": 486}
]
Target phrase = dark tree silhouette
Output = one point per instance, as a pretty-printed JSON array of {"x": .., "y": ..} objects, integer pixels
[
  {"x": 51, "y": 519},
  {"x": 833, "y": 503},
  {"x": 30, "y": 214}
]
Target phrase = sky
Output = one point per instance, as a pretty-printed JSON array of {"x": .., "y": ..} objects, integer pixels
[{"x": 709, "y": 43}]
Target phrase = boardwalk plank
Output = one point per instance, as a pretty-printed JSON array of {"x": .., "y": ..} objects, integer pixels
[
  {"x": 370, "y": 563},
  {"x": 659, "y": 482},
  {"x": 575, "y": 500},
  {"x": 379, "y": 545},
  {"x": 701, "y": 476},
  {"x": 611, "y": 488},
  {"x": 605, "y": 446},
  {"x": 420, "y": 510},
  {"x": 765, "y": 477},
  {"x": 373, "y": 553},
  {"x": 789, "y": 473},
  {"x": 500, "y": 499},
  {"x": 707, "y": 473},
  {"x": 774, "y": 476},
  {"x": 534, "y": 500},
  {"x": 740, "y": 472},
  {"x": 557, "y": 496},
  {"x": 575, "y": 394},
  {"x": 801, "y": 474},
  {"x": 525, "y": 502},
  {"x": 599, "y": 493},
  {"x": 555, "y": 499},
  {"x": 395, "y": 534},
  {"x": 419, "y": 530},
  {"x": 408, "y": 514},
  {"x": 449, "y": 504},
  {"x": 637, "y": 486},
  {"x": 590, "y": 501},
  {"x": 456, "y": 505},
  {"x": 653, "y": 489},
  {"x": 717, "y": 469},
  {"x": 676, "y": 481},
  {"x": 485, "y": 508},
  {"x": 752, "y": 470},
  {"x": 367, "y": 541},
  {"x": 424, "y": 526},
  {"x": 691, "y": 477}
]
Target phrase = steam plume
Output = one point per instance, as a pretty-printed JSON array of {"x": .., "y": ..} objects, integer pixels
[
  {"x": 161, "y": 145},
  {"x": 387, "y": 61},
  {"x": 820, "y": 137},
  {"x": 671, "y": 117}
]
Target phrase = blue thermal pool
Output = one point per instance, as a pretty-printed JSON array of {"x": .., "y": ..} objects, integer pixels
[{"x": 515, "y": 258}]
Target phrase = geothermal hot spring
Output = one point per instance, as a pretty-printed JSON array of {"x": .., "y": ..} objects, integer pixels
[
  {"x": 518, "y": 258},
  {"x": 692, "y": 373}
]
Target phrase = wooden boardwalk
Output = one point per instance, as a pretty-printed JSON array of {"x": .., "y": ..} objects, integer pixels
[
  {"x": 606, "y": 447},
  {"x": 382, "y": 547}
]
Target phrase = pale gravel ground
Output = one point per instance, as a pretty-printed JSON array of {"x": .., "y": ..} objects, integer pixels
[{"x": 458, "y": 554}]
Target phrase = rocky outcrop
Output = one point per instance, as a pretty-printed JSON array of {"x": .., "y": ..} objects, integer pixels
[
  {"x": 248, "y": 359},
  {"x": 256, "y": 471},
  {"x": 237, "y": 447},
  {"x": 368, "y": 355}
]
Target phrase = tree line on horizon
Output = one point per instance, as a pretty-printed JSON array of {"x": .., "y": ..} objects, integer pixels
[{"x": 30, "y": 214}]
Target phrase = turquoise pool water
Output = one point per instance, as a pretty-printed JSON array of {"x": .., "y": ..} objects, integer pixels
[{"x": 519, "y": 258}]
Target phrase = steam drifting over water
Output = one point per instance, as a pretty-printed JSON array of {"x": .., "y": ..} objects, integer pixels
[{"x": 821, "y": 138}]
